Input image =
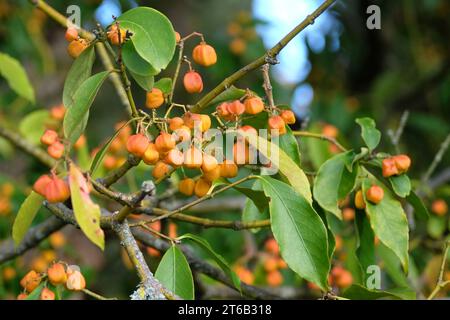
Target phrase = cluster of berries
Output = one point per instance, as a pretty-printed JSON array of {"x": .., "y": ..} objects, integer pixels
[
  {"x": 57, "y": 274},
  {"x": 395, "y": 165}
]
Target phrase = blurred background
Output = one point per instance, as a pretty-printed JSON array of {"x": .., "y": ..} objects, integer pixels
[{"x": 335, "y": 71}]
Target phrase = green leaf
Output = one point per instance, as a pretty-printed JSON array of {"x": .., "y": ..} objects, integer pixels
[
  {"x": 25, "y": 216},
  {"x": 365, "y": 251},
  {"x": 370, "y": 133},
  {"x": 288, "y": 143},
  {"x": 175, "y": 274},
  {"x": 420, "y": 209},
  {"x": 357, "y": 292},
  {"x": 392, "y": 265},
  {"x": 389, "y": 222},
  {"x": 35, "y": 295},
  {"x": 334, "y": 182},
  {"x": 33, "y": 125},
  {"x": 401, "y": 185},
  {"x": 256, "y": 194},
  {"x": 80, "y": 70},
  {"x": 164, "y": 84},
  {"x": 86, "y": 212},
  {"x": 145, "y": 82},
  {"x": 299, "y": 231},
  {"x": 134, "y": 62},
  {"x": 218, "y": 258},
  {"x": 153, "y": 35},
  {"x": 232, "y": 93},
  {"x": 101, "y": 153},
  {"x": 75, "y": 120},
  {"x": 252, "y": 213},
  {"x": 287, "y": 167},
  {"x": 16, "y": 77}
]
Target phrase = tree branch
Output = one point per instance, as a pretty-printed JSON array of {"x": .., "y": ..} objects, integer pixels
[
  {"x": 201, "y": 266},
  {"x": 268, "y": 57},
  {"x": 8, "y": 250},
  {"x": 153, "y": 288}
]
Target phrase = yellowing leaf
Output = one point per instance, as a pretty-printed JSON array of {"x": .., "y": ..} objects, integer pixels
[{"x": 87, "y": 213}]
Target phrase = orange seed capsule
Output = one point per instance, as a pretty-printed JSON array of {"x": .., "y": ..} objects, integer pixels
[
  {"x": 186, "y": 186},
  {"x": 253, "y": 105},
  {"x": 165, "y": 142},
  {"x": 56, "y": 150},
  {"x": 375, "y": 194},
  {"x": 151, "y": 155},
  {"x": 154, "y": 99},
  {"x": 160, "y": 170},
  {"x": 204, "y": 55},
  {"x": 49, "y": 137},
  {"x": 202, "y": 187},
  {"x": 359, "y": 200},
  {"x": 193, "y": 82},
  {"x": 288, "y": 116}
]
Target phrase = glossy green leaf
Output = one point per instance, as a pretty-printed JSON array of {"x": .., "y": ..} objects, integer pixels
[
  {"x": 175, "y": 274},
  {"x": 357, "y": 292},
  {"x": 334, "y": 182},
  {"x": 420, "y": 210},
  {"x": 135, "y": 63},
  {"x": 287, "y": 167},
  {"x": 25, "y": 216},
  {"x": 365, "y": 251},
  {"x": 15, "y": 75},
  {"x": 370, "y": 134},
  {"x": 255, "y": 192},
  {"x": 145, "y": 82},
  {"x": 80, "y": 70},
  {"x": 389, "y": 222},
  {"x": 299, "y": 232},
  {"x": 164, "y": 84},
  {"x": 392, "y": 265},
  {"x": 252, "y": 213},
  {"x": 33, "y": 126},
  {"x": 232, "y": 93},
  {"x": 75, "y": 120},
  {"x": 217, "y": 258},
  {"x": 87, "y": 213},
  {"x": 401, "y": 185},
  {"x": 153, "y": 35},
  {"x": 288, "y": 143}
]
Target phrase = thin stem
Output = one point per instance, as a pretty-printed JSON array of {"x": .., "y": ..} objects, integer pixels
[
  {"x": 319, "y": 136},
  {"x": 177, "y": 70},
  {"x": 437, "y": 159},
  {"x": 441, "y": 283},
  {"x": 143, "y": 224},
  {"x": 207, "y": 223},
  {"x": 268, "y": 57},
  {"x": 198, "y": 34},
  {"x": 96, "y": 295},
  {"x": 395, "y": 137},
  {"x": 204, "y": 198}
]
